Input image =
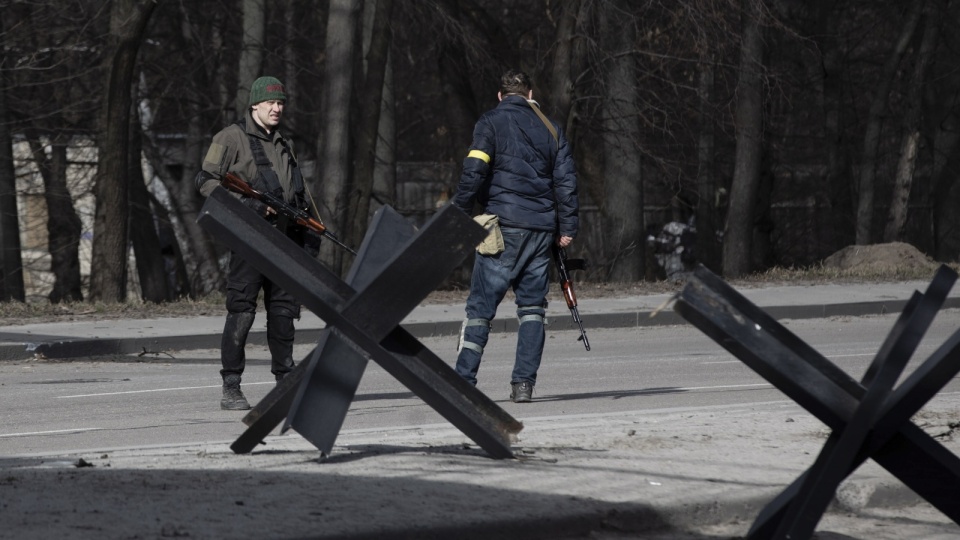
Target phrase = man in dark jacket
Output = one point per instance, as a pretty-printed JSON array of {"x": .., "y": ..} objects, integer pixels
[
  {"x": 254, "y": 150},
  {"x": 520, "y": 169}
]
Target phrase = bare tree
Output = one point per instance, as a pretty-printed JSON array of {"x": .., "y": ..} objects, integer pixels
[
  {"x": 108, "y": 277},
  {"x": 11, "y": 277},
  {"x": 63, "y": 223},
  {"x": 207, "y": 276},
  {"x": 291, "y": 62},
  {"x": 456, "y": 74},
  {"x": 942, "y": 115},
  {"x": 55, "y": 113},
  {"x": 147, "y": 249},
  {"x": 385, "y": 168},
  {"x": 367, "y": 129},
  {"x": 152, "y": 231},
  {"x": 334, "y": 149},
  {"x": 871, "y": 138},
  {"x": 561, "y": 72},
  {"x": 738, "y": 231},
  {"x": 681, "y": 114},
  {"x": 623, "y": 177},
  {"x": 910, "y": 140},
  {"x": 251, "y": 52},
  {"x": 11, "y": 265},
  {"x": 708, "y": 218},
  {"x": 838, "y": 189}
]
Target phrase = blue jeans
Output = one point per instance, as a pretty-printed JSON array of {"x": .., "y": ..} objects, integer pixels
[{"x": 524, "y": 265}]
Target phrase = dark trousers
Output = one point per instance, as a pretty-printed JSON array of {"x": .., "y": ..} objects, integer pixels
[{"x": 244, "y": 283}]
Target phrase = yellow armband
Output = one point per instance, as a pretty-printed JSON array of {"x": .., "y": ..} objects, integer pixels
[{"x": 479, "y": 155}]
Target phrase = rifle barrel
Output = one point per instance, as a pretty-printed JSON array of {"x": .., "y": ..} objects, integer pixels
[
  {"x": 583, "y": 337},
  {"x": 337, "y": 241}
]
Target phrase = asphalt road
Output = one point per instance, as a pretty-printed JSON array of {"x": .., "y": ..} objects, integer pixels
[{"x": 139, "y": 401}]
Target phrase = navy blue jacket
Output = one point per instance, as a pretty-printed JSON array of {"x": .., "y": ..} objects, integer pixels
[{"x": 516, "y": 170}]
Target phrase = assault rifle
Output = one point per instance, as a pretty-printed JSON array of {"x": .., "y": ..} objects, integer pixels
[
  {"x": 235, "y": 184},
  {"x": 566, "y": 285}
]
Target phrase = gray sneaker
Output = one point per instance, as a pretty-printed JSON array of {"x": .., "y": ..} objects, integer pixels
[
  {"x": 233, "y": 399},
  {"x": 521, "y": 392}
]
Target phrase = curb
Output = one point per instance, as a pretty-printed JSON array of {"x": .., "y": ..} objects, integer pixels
[{"x": 28, "y": 346}]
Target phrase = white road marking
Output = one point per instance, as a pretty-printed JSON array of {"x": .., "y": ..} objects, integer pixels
[
  {"x": 153, "y": 390},
  {"x": 689, "y": 388},
  {"x": 53, "y": 432},
  {"x": 828, "y": 357}
]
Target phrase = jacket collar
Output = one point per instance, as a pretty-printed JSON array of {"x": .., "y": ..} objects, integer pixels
[
  {"x": 518, "y": 100},
  {"x": 253, "y": 128}
]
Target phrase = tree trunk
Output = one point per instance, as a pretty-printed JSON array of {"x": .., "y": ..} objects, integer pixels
[
  {"x": 209, "y": 276},
  {"x": 459, "y": 100},
  {"x": 158, "y": 258},
  {"x": 184, "y": 201},
  {"x": 945, "y": 195},
  {"x": 385, "y": 166},
  {"x": 623, "y": 184},
  {"x": 108, "y": 275},
  {"x": 838, "y": 192},
  {"x": 220, "y": 72},
  {"x": 143, "y": 233},
  {"x": 291, "y": 60},
  {"x": 11, "y": 265},
  {"x": 561, "y": 82},
  {"x": 910, "y": 142},
  {"x": 206, "y": 275},
  {"x": 334, "y": 150},
  {"x": 63, "y": 223},
  {"x": 175, "y": 268},
  {"x": 943, "y": 115},
  {"x": 371, "y": 98},
  {"x": 708, "y": 205},
  {"x": 871, "y": 139},
  {"x": 738, "y": 231},
  {"x": 251, "y": 52}
]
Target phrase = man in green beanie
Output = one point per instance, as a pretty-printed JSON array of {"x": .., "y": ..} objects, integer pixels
[{"x": 254, "y": 150}]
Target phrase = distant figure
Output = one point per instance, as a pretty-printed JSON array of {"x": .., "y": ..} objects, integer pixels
[
  {"x": 519, "y": 169},
  {"x": 673, "y": 248},
  {"x": 254, "y": 150}
]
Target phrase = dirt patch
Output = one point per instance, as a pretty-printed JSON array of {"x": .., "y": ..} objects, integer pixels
[{"x": 893, "y": 258}]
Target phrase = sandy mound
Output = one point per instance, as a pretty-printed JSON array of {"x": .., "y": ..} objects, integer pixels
[{"x": 895, "y": 257}]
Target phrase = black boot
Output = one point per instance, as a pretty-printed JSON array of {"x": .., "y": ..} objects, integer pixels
[
  {"x": 233, "y": 399},
  {"x": 521, "y": 392}
]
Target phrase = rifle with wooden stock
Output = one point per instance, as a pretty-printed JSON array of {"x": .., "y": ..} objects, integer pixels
[
  {"x": 237, "y": 185},
  {"x": 566, "y": 285}
]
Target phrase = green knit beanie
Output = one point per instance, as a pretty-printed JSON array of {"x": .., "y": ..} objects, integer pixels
[{"x": 266, "y": 88}]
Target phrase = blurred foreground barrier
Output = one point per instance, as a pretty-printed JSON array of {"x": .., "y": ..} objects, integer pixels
[
  {"x": 396, "y": 267},
  {"x": 869, "y": 418}
]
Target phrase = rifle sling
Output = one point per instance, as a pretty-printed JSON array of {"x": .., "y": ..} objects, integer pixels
[
  {"x": 545, "y": 121},
  {"x": 556, "y": 138},
  {"x": 266, "y": 171}
]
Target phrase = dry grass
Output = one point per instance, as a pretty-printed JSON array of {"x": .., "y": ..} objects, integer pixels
[
  {"x": 822, "y": 274},
  {"x": 13, "y": 313}
]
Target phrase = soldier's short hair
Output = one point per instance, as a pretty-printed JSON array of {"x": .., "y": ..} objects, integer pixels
[{"x": 515, "y": 82}]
